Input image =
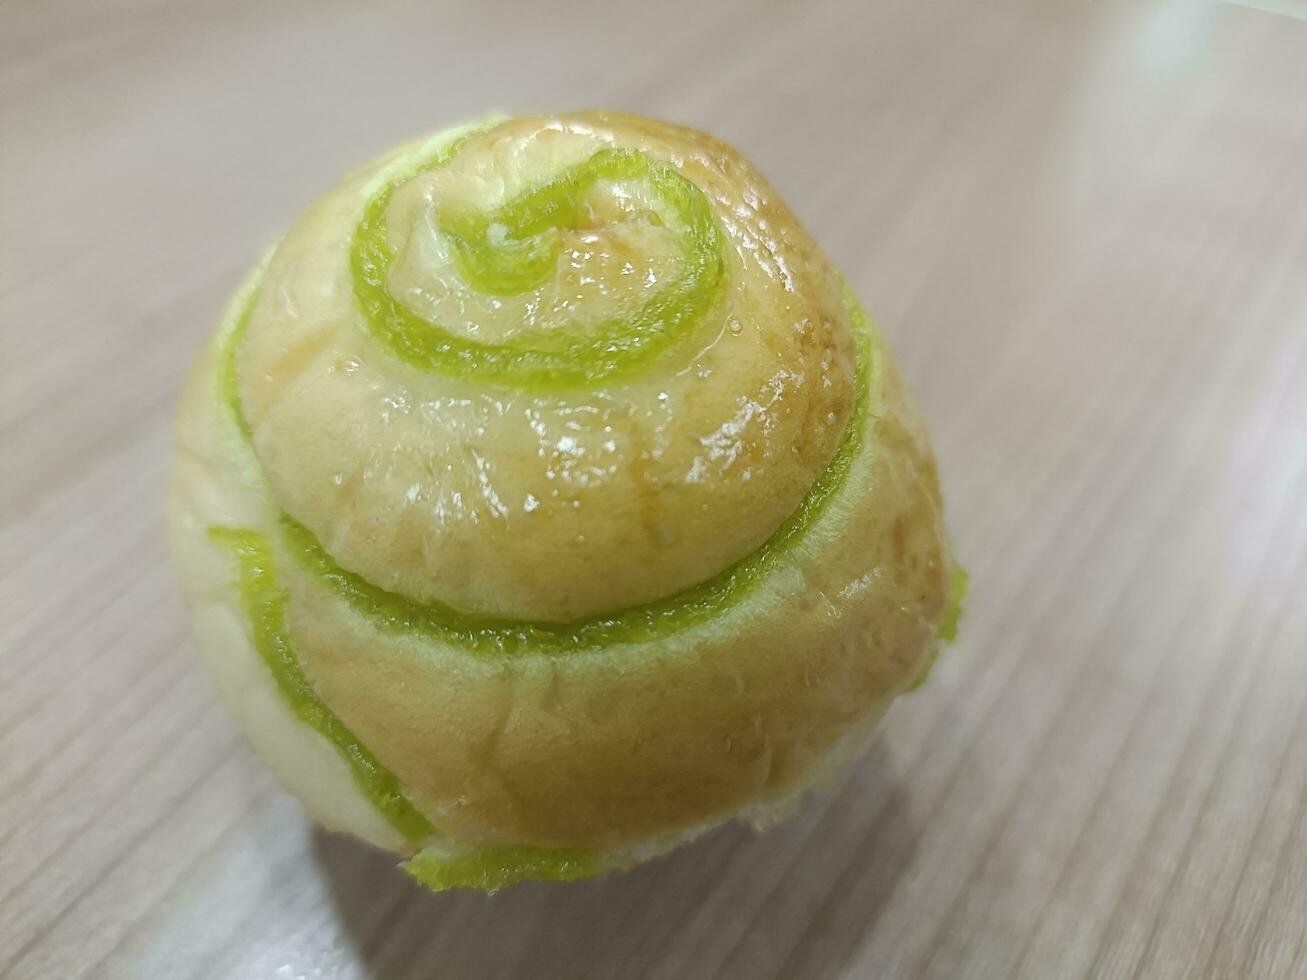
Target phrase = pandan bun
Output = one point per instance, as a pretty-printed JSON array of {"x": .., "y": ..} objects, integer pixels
[{"x": 545, "y": 497}]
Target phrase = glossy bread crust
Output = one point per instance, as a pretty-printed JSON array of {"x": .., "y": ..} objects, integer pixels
[
  {"x": 600, "y": 746},
  {"x": 549, "y": 501}
]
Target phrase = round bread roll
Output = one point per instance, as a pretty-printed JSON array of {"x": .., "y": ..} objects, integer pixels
[{"x": 545, "y": 498}]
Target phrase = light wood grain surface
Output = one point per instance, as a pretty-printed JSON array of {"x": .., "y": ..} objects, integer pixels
[{"x": 1084, "y": 228}]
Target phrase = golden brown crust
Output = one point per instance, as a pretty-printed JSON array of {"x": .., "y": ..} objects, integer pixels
[
  {"x": 598, "y": 748},
  {"x": 549, "y": 505},
  {"x": 606, "y": 749}
]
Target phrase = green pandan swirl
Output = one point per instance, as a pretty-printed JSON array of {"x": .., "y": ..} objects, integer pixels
[
  {"x": 741, "y": 560},
  {"x": 520, "y": 255},
  {"x": 626, "y": 379},
  {"x": 264, "y": 599},
  {"x": 264, "y": 602}
]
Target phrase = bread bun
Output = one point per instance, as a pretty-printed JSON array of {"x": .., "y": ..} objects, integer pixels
[{"x": 545, "y": 497}]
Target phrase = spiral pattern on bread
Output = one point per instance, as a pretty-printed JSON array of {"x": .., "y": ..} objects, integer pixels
[{"x": 546, "y": 497}]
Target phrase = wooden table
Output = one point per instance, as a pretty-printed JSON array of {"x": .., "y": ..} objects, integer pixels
[{"x": 1084, "y": 227}]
